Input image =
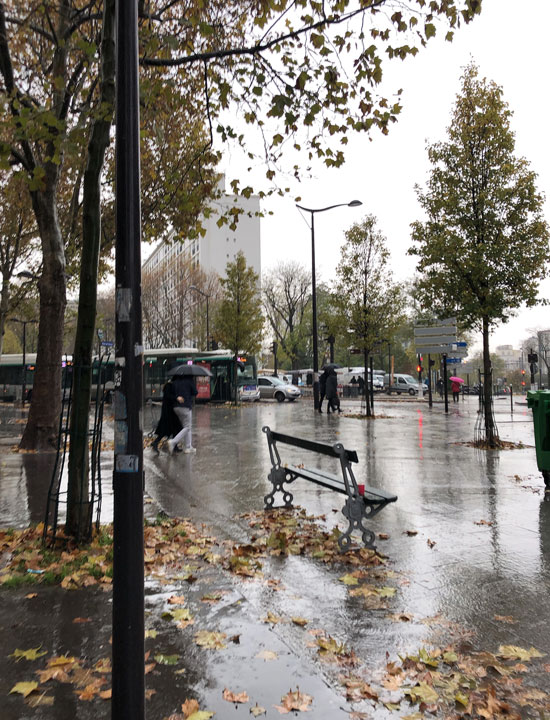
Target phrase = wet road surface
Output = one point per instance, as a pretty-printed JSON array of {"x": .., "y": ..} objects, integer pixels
[{"x": 480, "y": 548}]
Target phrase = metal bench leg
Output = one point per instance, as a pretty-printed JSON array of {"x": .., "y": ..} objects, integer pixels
[
  {"x": 356, "y": 510},
  {"x": 277, "y": 477}
]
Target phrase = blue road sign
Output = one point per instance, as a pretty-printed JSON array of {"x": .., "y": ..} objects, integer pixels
[
  {"x": 453, "y": 361},
  {"x": 107, "y": 343}
]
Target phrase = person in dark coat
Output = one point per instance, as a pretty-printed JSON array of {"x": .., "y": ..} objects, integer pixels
[
  {"x": 322, "y": 388},
  {"x": 168, "y": 425},
  {"x": 332, "y": 392},
  {"x": 184, "y": 392}
]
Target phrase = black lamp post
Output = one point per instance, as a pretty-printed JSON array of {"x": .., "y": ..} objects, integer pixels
[
  {"x": 206, "y": 295},
  {"x": 24, "y": 368},
  {"x": 353, "y": 203}
]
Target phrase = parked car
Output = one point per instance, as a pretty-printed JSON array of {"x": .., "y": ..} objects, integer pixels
[
  {"x": 401, "y": 384},
  {"x": 272, "y": 387},
  {"x": 249, "y": 393}
]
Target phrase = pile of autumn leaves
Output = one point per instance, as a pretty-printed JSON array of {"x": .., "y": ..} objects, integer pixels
[{"x": 451, "y": 681}]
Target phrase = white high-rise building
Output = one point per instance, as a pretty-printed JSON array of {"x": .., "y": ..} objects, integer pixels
[{"x": 167, "y": 272}]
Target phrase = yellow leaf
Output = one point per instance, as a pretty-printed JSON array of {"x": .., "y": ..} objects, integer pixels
[
  {"x": 299, "y": 621},
  {"x": 513, "y": 652},
  {"x": 212, "y": 640},
  {"x": 31, "y": 654},
  {"x": 24, "y": 688},
  {"x": 349, "y": 579}
]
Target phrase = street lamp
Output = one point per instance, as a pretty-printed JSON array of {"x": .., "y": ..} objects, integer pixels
[
  {"x": 206, "y": 295},
  {"x": 353, "y": 203},
  {"x": 24, "y": 378}
]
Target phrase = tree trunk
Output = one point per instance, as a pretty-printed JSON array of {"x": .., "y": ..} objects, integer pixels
[
  {"x": 43, "y": 424},
  {"x": 4, "y": 306},
  {"x": 78, "y": 510},
  {"x": 491, "y": 432},
  {"x": 366, "y": 378}
]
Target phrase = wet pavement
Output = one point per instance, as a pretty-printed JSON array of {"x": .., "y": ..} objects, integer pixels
[{"x": 468, "y": 543}]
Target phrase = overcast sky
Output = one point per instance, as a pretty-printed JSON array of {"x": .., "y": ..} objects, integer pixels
[{"x": 509, "y": 42}]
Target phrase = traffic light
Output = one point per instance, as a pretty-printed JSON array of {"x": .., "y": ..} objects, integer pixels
[
  {"x": 419, "y": 368},
  {"x": 274, "y": 347}
]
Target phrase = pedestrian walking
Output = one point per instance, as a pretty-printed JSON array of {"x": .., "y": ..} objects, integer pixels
[
  {"x": 184, "y": 392},
  {"x": 439, "y": 387},
  {"x": 361, "y": 383},
  {"x": 323, "y": 389},
  {"x": 168, "y": 424},
  {"x": 455, "y": 388},
  {"x": 333, "y": 401}
]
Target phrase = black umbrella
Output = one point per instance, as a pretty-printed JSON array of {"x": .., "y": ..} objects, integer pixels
[
  {"x": 331, "y": 366},
  {"x": 189, "y": 370}
]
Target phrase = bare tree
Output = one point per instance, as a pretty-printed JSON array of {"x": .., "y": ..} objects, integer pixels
[{"x": 286, "y": 296}]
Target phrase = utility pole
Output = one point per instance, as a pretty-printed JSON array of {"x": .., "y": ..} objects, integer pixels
[{"x": 128, "y": 677}]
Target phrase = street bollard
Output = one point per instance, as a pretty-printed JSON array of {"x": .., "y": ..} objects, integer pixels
[
  {"x": 539, "y": 402},
  {"x": 511, "y": 399}
]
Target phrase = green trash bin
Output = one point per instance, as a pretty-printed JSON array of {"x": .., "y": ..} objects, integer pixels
[{"x": 539, "y": 402}]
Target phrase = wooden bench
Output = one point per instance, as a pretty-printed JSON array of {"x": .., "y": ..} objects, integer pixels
[{"x": 359, "y": 506}]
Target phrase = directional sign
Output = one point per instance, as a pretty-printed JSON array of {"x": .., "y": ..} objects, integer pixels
[
  {"x": 453, "y": 360},
  {"x": 420, "y": 331},
  {"x": 449, "y": 349},
  {"x": 435, "y": 340},
  {"x": 107, "y": 343}
]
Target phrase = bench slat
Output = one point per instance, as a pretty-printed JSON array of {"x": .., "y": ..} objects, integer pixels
[
  {"x": 336, "y": 483},
  {"x": 330, "y": 481},
  {"x": 323, "y": 448}
]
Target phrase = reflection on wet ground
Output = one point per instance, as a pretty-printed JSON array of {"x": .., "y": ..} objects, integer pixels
[{"x": 469, "y": 537}]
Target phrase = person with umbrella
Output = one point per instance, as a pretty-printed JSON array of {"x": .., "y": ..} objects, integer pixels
[
  {"x": 184, "y": 392},
  {"x": 168, "y": 425},
  {"x": 333, "y": 401},
  {"x": 456, "y": 382}
]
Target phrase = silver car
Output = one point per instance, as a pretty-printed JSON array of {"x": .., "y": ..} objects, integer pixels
[{"x": 272, "y": 387}]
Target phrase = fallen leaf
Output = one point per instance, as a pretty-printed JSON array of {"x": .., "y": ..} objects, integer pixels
[
  {"x": 151, "y": 633},
  {"x": 167, "y": 659},
  {"x": 30, "y": 596},
  {"x": 349, "y": 579},
  {"x": 302, "y": 622},
  {"x": 431, "y": 543},
  {"x": 505, "y": 619},
  {"x": 82, "y": 620},
  {"x": 24, "y": 688},
  {"x": 53, "y": 673},
  {"x": 212, "y": 640},
  {"x": 235, "y": 697},
  {"x": 257, "y": 710},
  {"x": 294, "y": 700},
  {"x": 31, "y": 654},
  {"x": 176, "y": 600},
  {"x": 271, "y": 618},
  {"x": 267, "y": 655},
  {"x": 189, "y": 707},
  {"x": 37, "y": 700},
  {"x": 410, "y": 533},
  {"x": 513, "y": 652}
]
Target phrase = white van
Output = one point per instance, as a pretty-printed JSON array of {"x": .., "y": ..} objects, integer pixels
[
  {"x": 401, "y": 384},
  {"x": 348, "y": 374}
]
